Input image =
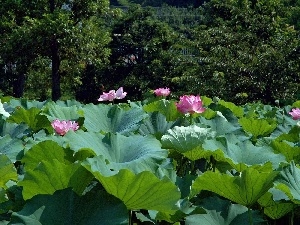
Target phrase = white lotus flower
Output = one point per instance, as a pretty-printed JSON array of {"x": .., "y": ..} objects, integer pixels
[{"x": 2, "y": 111}]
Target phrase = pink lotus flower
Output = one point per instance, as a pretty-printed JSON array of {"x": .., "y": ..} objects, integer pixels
[
  {"x": 120, "y": 93},
  {"x": 295, "y": 114},
  {"x": 162, "y": 91},
  {"x": 62, "y": 127},
  {"x": 190, "y": 104},
  {"x": 112, "y": 94}
]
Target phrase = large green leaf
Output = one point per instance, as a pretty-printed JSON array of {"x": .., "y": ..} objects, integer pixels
[
  {"x": 13, "y": 129},
  {"x": 7, "y": 170},
  {"x": 258, "y": 127},
  {"x": 288, "y": 149},
  {"x": 140, "y": 191},
  {"x": 11, "y": 147},
  {"x": 41, "y": 136},
  {"x": 26, "y": 104},
  {"x": 223, "y": 212},
  {"x": 54, "y": 111},
  {"x": 112, "y": 118},
  {"x": 245, "y": 189},
  {"x": 243, "y": 154},
  {"x": 44, "y": 151},
  {"x": 50, "y": 176},
  {"x": 165, "y": 107},
  {"x": 156, "y": 124},
  {"x": 135, "y": 152},
  {"x": 31, "y": 117},
  {"x": 66, "y": 207},
  {"x": 68, "y": 103},
  {"x": 237, "y": 110},
  {"x": 274, "y": 209},
  {"x": 288, "y": 182},
  {"x": 220, "y": 125},
  {"x": 292, "y": 135},
  {"x": 187, "y": 140}
]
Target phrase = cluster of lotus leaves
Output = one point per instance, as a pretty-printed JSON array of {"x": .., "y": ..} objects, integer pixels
[{"x": 123, "y": 159}]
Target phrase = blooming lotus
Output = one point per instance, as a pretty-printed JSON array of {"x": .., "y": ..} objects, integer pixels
[
  {"x": 2, "y": 110},
  {"x": 190, "y": 104},
  {"x": 112, "y": 94},
  {"x": 295, "y": 113},
  {"x": 62, "y": 127},
  {"x": 162, "y": 91},
  {"x": 120, "y": 93}
]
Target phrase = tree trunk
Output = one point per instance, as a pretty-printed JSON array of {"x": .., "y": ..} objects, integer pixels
[
  {"x": 18, "y": 85},
  {"x": 56, "y": 93}
]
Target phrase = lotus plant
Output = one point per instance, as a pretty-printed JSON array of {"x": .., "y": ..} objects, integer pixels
[
  {"x": 62, "y": 127},
  {"x": 295, "y": 113},
  {"x": 2, "y": 110},
  {"x": 112, "y": 95},
  {"x": 190, "y": 104},
  {"x": 162, "y": 92}
]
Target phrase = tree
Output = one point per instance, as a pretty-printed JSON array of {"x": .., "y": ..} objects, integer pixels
[
  {"x": 68, "y": 34},
  {"x": 247, "y": 49},
  {"x": 141, "y": 53}
]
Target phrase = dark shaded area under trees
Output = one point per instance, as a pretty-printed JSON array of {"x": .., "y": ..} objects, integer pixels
[{"x": 250, "y": 49}]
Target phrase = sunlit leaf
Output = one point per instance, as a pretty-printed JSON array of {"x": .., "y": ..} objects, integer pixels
[
  {"x": 44, "y": 151},
  {"x": 31, "y": 117},
  {"x": 258, "y": 127},
  {"x": 50, "y": 176},
  {"x": 274, "y": 209},
  {"x": 288, "y": 149},
  {"x": 140, "y": 191},
  {"x": 245, "y": 189},
  {"x": 238, "y": 111},
  {"x": 7, "y": 170},
  {"x": 165, "y": 107}
]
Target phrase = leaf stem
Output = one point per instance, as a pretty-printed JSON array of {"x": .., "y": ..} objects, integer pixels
[
  {"x": 129, "y": 217},
  {"x": 292, "y": 218},
  {"x": 191, "y": 119},
  {"x": 250, "y": 216}
]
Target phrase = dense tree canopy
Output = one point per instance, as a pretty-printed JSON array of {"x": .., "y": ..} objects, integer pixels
[
  {"x": 249, "y": 48},
  {"x": 60, "y": 37}
]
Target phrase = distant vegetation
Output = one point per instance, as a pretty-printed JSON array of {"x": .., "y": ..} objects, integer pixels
[{"x": 240, "y": 51}]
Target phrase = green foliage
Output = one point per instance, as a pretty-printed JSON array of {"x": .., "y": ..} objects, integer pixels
[
  {"x": 141, "y": 55},
  {"x": 127, "y": 163},
  {"x": 151, "y": 193},
  {"x": 245, "y": 189},
  {"x": 114, "y": 118},
  {"x": 34, "y": 34},
  {"x": 65, "y": 206},
  {"x": 246, "y": 49},
  {"x": 232, "y": 214}
]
